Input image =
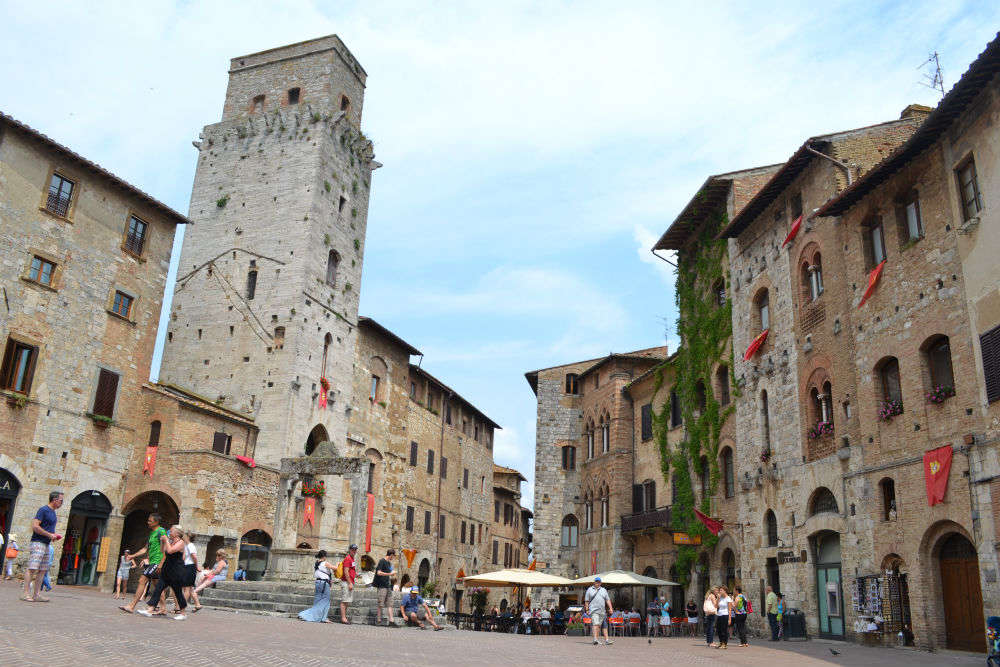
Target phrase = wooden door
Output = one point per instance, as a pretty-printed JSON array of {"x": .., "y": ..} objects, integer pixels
[{"x": 962, "y": 597}]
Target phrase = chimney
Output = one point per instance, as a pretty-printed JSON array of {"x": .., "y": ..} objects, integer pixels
[{"x": 916, "y": 111}]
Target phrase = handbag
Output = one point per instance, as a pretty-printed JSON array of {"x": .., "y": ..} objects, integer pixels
[
  {"x": 11, "y": 553},
  {"x": 708, "y": 607}
]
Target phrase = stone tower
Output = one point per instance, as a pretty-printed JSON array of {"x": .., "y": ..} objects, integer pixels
[{"x": 266, "y": 301}]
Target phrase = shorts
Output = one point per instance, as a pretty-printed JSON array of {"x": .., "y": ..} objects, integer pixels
[
  {"x": 151, "y": 571},
  {"x": 190, "y": 574},
  {"x": 421, "y": 614},
  {"x": 346, "y": 594},
  {"x": 598, "y": 618},
  {"x": 38, "y": 555},
  {"x": 384, "y": 597},
  {"x": 664, "y": 620},
  {"x": 693, "y": 620},
  {"x": 123, "y": 573}
]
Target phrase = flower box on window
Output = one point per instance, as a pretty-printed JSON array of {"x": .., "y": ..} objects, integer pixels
[
  {"x": 940, "y": 393},
  {"x": 889, "y": 409},
  {"x": 318, "y": 491},
  {"x": 821, "y": 430}
]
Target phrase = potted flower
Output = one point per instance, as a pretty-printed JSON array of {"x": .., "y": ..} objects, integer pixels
[
  {"x": 477, "y": 597},
  {"x": 889, "y": 409},
  {"x": 318, "y": 490},
  {"x": 765, "y": 455},
  {"x": 821, "y": 430},
  {"x": 940, "y": 393}
]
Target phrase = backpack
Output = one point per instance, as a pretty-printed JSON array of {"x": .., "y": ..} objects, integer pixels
[{"x": 339, "y": 572}]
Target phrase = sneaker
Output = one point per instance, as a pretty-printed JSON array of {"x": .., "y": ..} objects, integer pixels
[
  {"x": 608, "y": 642},
  {"x": 179, "y": 617},
  {"x": 596, "y": 642}
]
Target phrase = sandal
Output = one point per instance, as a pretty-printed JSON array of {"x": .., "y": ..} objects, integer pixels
[
  {"x": 195, "y": 609},
  {"x": 26, "y": 599},
  {"x": 126, "y": 609}
]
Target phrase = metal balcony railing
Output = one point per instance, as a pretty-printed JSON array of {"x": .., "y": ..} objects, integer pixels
[{"x": 658, "y": 518}]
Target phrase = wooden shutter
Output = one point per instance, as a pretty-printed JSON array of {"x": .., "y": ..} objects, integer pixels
[
  {"x": 465, "y": 478},
  {"x": 427, "y": 523},
  {"x": 409, "y": 519},
  {"x": 413, "y": 454},
  {"x": 444, "y": 467},
  {"x": 637, "y": 498},
  {"x": 463, "y": 533},
  {"x": 219, "y": 442},
  {"x": 107, "y": 390},
  {"x": 647, "y": 421},
  {"x": 990, "y": 344}
]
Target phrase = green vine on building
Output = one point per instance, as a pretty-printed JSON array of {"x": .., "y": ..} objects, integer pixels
[{"x": 705, "y": 330}]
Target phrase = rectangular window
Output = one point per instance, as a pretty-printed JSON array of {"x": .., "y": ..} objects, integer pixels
[
  {"x": 795, "y": 206},
  {"x": 914, "y": 226},
  {"x": 107, "y": 391},
  {"x": 222, "y": 442},
  {"x": 444, "y": 467},
  {"x": 60, "y": 195},
  {"x": 447, "y": 414},
  {"x": 409, "y": 518},
  {"x": 637, "y": 498},
  {"x": 135, "y": 237},
  {"x": 647, "y": 422},
  {"x": 18, "y": 366},
  {"x": 989, "y": 343},
  {"x": 463, "y": 533},
  {"x": 427, "y": 523},
  {"x": 475, "y": 432},
  {"x": 496, "y": 546},
  {"x": 413, "y": 390},
  {"x": 293, "y": 95},
  {"x": 441, "y": 530},
  {"x": 122, "y": 305},
  {"x": 649, "y": 495},
  {"x": 413, "y": 454},
  {"x": 373, "y": 391},
  {"x": 251, "y": 284},
  {"x": 496, "y": 511},
  {"x": 569, "y": 457},
  {"x": 465, "y": 478},
  {"x": 430, "y": 461},
  {"x": 968, "y": 189},
  {"x": 877, "y": 244},
  {"x": 41, "y": 271}
]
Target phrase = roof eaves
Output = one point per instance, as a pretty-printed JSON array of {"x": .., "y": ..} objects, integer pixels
[
  {"x": 455, "y": 395},
  {"x": 174, "y": 216},
  {"x": 363, "y": 320}
]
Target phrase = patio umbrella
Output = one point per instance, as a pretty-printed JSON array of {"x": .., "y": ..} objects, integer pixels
[
  {"x": 622, "y": 578},
  {"x": 516, "y": 577}
]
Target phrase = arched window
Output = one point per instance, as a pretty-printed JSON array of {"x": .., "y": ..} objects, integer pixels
[
  {"x": 379, "y": 376},
  {"x": 937, "y": 356},
  {"x": 888, "y": 488},
  {"x": 569, "y": 457},
  {"x": 605, "y": 507},
  {"x": 823, "y": 500},
  {"x": 699, "y": 397},
  {"x": 675, "y": 409},
  {"x": 154, "y": 434},
  {"x": 605, "y": 434},
  {"x": 345, "y": 104},
  {"x": 728, "y": 473},
  {"x": 762, "y": 310},
  {"x": 826, "y": 402},
  {"x": 771, "y": 528},
  {"x": 722, "y": 379},
  {"x": 588, "y": 511},
  {"x": 705, "y": 475},
  {"x": 815, "y": 406},
  {"x": 729, "y": 569},
  {"x": 332, "y": 262},
  {"x": 590, "y": 439},
  {"x": 889, "y": 388},
  {"x": 812, "y": 277},
  {"x": 570, "y": 531},
  {"x": 765, "y": 418}
]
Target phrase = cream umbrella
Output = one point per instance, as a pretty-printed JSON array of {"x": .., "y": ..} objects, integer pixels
[
  {"x": 622, "y": 578},
  {"x": 516, "y": 577}
]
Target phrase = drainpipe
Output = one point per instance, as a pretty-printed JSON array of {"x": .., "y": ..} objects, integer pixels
[{"x": 842, "y": 165}]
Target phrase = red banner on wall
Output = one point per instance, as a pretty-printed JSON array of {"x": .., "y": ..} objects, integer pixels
[
  {"x": 368, "y": 523},
  {"x": 324, "y": 387},
  {"x": 873, "y": 277},
  {"x": 150, "y": 462},
  {"x": 794, "y": 230},
  {"x": 714, "y": 525},
  {"x": 309, "y": 511},
  {"x": 937, "y": 465},
  {"x": 755, "y": 345}
]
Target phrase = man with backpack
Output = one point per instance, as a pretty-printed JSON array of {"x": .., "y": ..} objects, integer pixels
[
  {"x": 741, "y": 607},
  {"x": 347, "y": 573}
]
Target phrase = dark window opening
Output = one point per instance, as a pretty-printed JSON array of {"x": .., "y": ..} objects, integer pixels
[
  {"x": 430, "y": 461},
  {"x": 293, "y": 95},
  {"x": 722, "y": 378},
  {"x": 409, "y": 518},
  {"x": 572, "y": 383},
  {"x": 413, "y": 454},
  {"x": 675, "y": 409},
  {"x": 427, "y": 523},
  {"x": 888, "y": 488},
  {"x": 222, "y": 442},
  {"x": 345, "y": 103},
  {"x": 154, "y": 434},
  {"x": 569, "y": 457},
  {"x": 989, "y": 343},
  {"x": 251, "y": 284},
  {"x": 771, "y": 526}
]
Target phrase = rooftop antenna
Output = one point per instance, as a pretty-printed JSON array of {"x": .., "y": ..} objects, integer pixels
[{"x": 933, "y": 79}]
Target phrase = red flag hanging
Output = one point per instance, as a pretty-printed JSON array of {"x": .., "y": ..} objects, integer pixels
[
  {"x": 461, "y": 574},
  {"x": 534, "y": 563},
  {"x": 714, "y": 525},
  {"x": 368, "y": 523},
  {"x": 755, "y": 345},
  {"x": 150, "y": 462},
  {"x": 324, "y": 387},
  {"x": 593, "y": 562},
  {"x": 247, "y": 461},
  {"x": 793, "y": 231},
  {"x": 873, "y": 277},
  {"x": 410, "y": 555},
  {"x": 309, "y": 511},
  {"x": 937, "y": 465}
]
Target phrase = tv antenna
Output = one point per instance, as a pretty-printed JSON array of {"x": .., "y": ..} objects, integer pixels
[{"x": 933, "y": 78}]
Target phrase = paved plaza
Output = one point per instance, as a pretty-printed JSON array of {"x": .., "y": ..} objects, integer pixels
[{"x": 82, "y": 627}]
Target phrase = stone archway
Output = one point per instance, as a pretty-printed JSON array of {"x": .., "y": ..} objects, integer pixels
[
  {"x": 255, "y": 548},
  {"x": 961, "y": 594},
  {"x": 10, "y": 488},
  {"x": 317, "y": 436},
  {"x": 135, "y": 532},
  {"x": 85, "y": 529}
]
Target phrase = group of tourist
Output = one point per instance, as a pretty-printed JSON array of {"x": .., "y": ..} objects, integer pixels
[{"x": 723, "y": 612}]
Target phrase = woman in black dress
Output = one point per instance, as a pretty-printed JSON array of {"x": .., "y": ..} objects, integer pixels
[{"x": 172, "y": 574}]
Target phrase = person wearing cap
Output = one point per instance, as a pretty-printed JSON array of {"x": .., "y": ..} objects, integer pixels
[
  {"x": 347, "y": 583},
  {"x": 413, "y": 608},
  {"x": 598, "y": 604},
  {"x": 383, "y": 585}
]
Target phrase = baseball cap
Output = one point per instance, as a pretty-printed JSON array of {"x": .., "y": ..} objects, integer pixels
[
  {"x": 597, "y": 579},
  {"x": 415, "y": 590},
  {"x": 352, "y": 547}
]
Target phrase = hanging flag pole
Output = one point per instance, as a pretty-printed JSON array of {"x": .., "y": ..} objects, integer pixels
[{"x": 714, "y": 525}]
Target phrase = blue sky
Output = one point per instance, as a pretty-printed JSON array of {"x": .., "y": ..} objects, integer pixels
[{"x": 533, "y": 152}]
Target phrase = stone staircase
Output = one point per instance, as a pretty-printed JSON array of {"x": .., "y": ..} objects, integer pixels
[{"x": 280, "y": 598}]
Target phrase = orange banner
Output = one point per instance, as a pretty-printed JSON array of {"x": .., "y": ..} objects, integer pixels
[
  {"x": 309, "y": 511},
  {"x": 368, "y": 523},
  {"x": 461, "y": 574},
  {"x": 410, "y": 555},
  {"x": 150, "y": 463}
]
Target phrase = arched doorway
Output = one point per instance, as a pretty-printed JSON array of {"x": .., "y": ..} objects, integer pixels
[
  {"x": 135, "y": 532},
  {"x": 896, "y": 589},
  {"x": 676, "y": 594},
  {"x": 650, "y": 591},
  {"x": 88, "y": 518},
  {"x": 729, "y": 570},
  {"x": 10, "y": 487},
  {"x": 826, "y": 546},
  {"x": 215, "y": 543},
  {"x": 423, "y": 573},
  {"x": 962, "y": 598},
  {"x": 316, "y": 437},
  {"x": 255, "y": 547}
]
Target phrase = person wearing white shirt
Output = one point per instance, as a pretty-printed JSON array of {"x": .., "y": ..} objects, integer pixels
[{"x": 723, "y": 618}]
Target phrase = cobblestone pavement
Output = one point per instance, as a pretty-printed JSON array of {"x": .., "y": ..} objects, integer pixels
[{"x": 81, "y": 627}]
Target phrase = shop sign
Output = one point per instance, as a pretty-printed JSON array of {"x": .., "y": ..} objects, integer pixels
[
  {"x": 791, "y": 557},
  {"x": 684, "y": 538},
  {"x": 102, "y": 555}
]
